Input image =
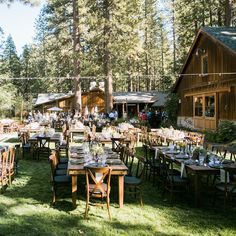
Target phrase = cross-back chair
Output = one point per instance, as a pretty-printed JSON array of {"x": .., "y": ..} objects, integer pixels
[
  {"x": 227, "y": 189},
  {"x": 3, "y": 168},
  {"x": 133, "y": 180},
  {"x": 172, "y": 180},
  {"x": 43, "y": 148},
  {"x": 57, "y": 179},
  {"x": 10, "y": 164},
  {"x": 98, "y": 186},
  {"x": 24, "y": 138}
]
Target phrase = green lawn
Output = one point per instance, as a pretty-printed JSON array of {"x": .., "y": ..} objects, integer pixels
[{"x": 25, "y": 209}]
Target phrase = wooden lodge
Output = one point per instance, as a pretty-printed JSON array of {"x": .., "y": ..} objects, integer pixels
[
  {"x": 95, "y": 97},
  {"x": 206, "y": 85},
  {"x": 129, "y": 103}
]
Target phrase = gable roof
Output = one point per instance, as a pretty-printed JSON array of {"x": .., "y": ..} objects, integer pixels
[
  {"x": 50, "y": 97},
  {"x": 226, "y": 36},
  {"x": 140, "y": 97}
]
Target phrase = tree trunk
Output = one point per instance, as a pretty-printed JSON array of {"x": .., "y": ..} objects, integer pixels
[
  {"x": 174, "y": 40},
  {"x": 107, "y": 59},
  {"x": 228, "y": 8},
  {"x": 76, "y": 56}
]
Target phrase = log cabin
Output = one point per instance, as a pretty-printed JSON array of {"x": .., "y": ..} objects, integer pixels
[
  {"x": 206, "y": 84},
  {"x": 124, "y": 102}
]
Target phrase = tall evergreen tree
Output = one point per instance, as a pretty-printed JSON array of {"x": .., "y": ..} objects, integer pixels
[{"x": 11, "y": 66}]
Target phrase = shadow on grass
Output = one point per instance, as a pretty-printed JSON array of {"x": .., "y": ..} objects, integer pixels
[
  {"x": 12, "y": 140},
  {"x": 28, "y": 209}
]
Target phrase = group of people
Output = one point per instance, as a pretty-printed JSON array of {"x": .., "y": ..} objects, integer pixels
[{"x": 152, "y": 117}]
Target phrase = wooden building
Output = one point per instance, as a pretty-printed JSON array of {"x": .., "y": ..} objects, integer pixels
[
  {"x": 206, "y": 85},
  {"x": 126, "y": 103},
  {"x": 93, "y": 98}
]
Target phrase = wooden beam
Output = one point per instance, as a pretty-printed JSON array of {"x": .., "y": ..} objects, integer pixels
[{"x": 216, "y": 90}]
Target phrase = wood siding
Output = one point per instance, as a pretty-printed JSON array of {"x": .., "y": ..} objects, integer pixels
[{"x": 220, "y": 60}]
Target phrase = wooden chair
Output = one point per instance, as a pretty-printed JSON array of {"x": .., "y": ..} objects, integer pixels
[
  {"x": 147, "y": 161},
  {"x": 133, "y": 180},
  {"x": 232, "y": 151},
  {"x": 172, "y": 181},
  {"x": 59, "y": 168},
  {"x": 17, "y": 158},
  {"x": 24, "y": 138},
  {"x": 43, "y": 148},
  {"x": 3, "y": 169},
  {"x": 227, "y": 189},
  {"x": 64, "y": 147},
  {"x": 98, "y": 186},
  {"x": 10, "y": 164},
  {"x": 57, "y": 180},
  {"x": 155, "y": 164}
]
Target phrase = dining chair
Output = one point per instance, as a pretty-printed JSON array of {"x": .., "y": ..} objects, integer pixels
[
  {"x": 155, "y": 164},
  {"x": 64, "y": 147},
  {"x": 3, "y": 169},
  {"x": 43, "y": 148},
  {"x": 172, "y": 180},
  {"x": 10, "y": 164},
  {"x": 17, "y": 158},
  {"x": 232, "y": 152},
  {"x": 147, "y": 161},
  {"x": 98, "y": 186},
  {"x": 25, "y": 145},
  {"x": 226, "y": 188},
  {"x": 57, "y": 180},
  {"x": 133, "y": 180},
  {"x": 59, "y": 168}
]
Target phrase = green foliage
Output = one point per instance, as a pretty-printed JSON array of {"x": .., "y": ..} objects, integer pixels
[
  {"x": 10, "y": 62},
  {"x": 226, "y": 132},
  {"x": 7, "y": 98},
  {"x": 171, "y": 107},
  {"x": 26, "y": 212}
]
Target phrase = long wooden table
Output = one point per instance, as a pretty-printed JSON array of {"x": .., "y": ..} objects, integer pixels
[
  {"x": 196, "y": 171},
  {"x": 55, "y": 138},
  {"x": 119, "y": 170}
]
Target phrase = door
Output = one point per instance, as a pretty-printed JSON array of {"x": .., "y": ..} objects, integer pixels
[{"x": 204, "y": 111}]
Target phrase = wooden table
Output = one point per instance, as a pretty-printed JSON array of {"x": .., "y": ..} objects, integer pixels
[
  {"x": 55, "y": 138},
  {"x": 198, "y": 171},
  {"x": 76, "y": 131},
  {"x": 119, "y": 170}
]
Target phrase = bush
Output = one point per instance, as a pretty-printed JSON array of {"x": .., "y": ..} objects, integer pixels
[{"x": 226, "y": 132}]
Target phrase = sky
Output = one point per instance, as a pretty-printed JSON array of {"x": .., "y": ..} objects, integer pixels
[{"x": 18, "y": 20}]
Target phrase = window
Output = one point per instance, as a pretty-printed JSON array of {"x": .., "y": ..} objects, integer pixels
[
  {"x": 210, "y": 106},
  {"x": 198, "y": 104},
  {"x": 205, "y": 64}
]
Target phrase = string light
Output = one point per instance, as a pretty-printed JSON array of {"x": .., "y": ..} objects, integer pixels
[
  {"x": 205, "y": 74},
  {"x": 116, "y": 77}
]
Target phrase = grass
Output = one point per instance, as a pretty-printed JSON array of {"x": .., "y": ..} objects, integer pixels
[{"x": 25, "y": 209}]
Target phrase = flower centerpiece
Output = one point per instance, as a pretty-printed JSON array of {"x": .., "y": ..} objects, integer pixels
[
  {"x": 182, "y": 146},
  {"x": 198, "y": 151},
  {"x": 97, "y": 150}
]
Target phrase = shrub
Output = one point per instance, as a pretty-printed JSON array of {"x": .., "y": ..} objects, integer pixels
[{"x": 226, "y": 132}]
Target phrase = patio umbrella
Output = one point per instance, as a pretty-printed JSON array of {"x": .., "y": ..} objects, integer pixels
[
  {"x": 86, "y": 111},
  {"x": 55, "y": 109}
]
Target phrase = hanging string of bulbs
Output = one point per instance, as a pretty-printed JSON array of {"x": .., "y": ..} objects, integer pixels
[{"x": 122, "y": 76}]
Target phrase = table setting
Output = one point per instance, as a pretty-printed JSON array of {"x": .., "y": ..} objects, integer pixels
[{"x": 87, "y": 154}]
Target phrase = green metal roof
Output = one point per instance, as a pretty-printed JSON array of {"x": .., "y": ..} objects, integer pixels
[{"x": 227, "y": 35}]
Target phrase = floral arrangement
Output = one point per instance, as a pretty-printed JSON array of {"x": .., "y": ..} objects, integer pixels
[
  {"x": 97, "y": 149},
  {"x": 198, "y": 151}
]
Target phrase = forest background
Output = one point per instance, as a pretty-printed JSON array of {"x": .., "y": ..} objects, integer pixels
[{"x": 135, "y": 45}]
